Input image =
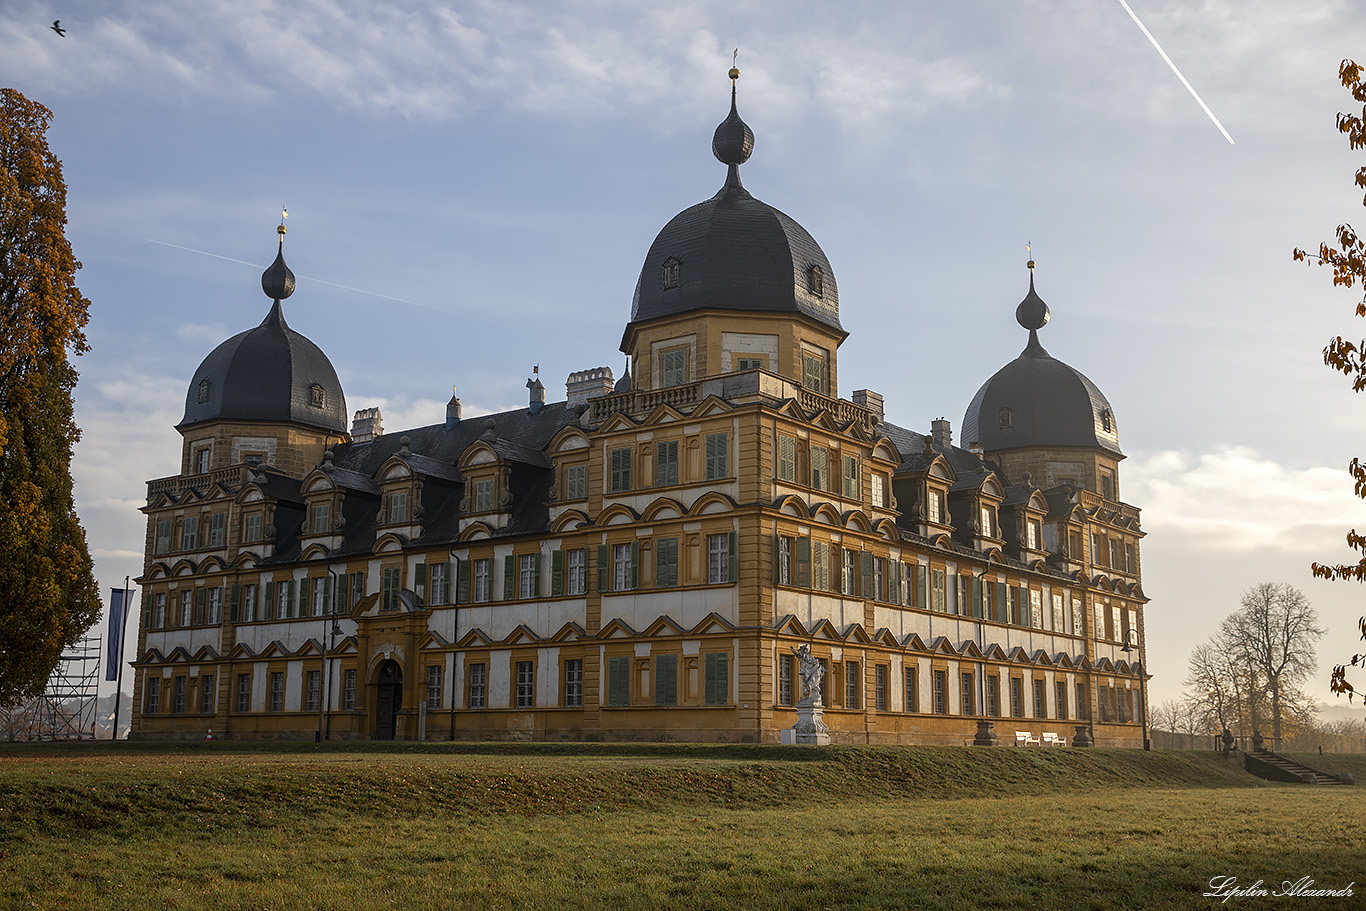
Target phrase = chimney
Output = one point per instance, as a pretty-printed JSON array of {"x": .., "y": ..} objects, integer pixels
[
  {"x": 452, "y": 410},
  {"x": 870, "y": 400},
  {"x": 537, "y": 390},
  {"x": 942, "y": 431},
  {"x": 975, "y": 447},
  {"x": 366, "y": 425},
  {"x": 588, "y": 384}
]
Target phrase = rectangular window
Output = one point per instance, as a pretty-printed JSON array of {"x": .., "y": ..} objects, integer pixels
[
  {"x": 576, "y": 571},
  {"x": 935, "y": 510},
  {"x": 717, "y": 684},
  {"x": 666, "y": 463},
  {"x": 189, "y": 533},
  {"x": 433, "y": 686},
  {"x": 389, "y": 589},
  {"x": 988, "y": 522},
  {"x": 962, "y": 604},
  {"x": 620, "y": 470},
  {"x": 576, "y": 482},
  {"x": 993, "y": 696},
  {"x": 1016, "y": 697},
  {"x": 349, "y": 690},
  {"x": 1057, "y": 612},
  {"x": 1078, "y": 618},
  {"x": 277, "y": 691},
  {"x": 483, "y": 495},
  {"x": 673, "y": 367},
  {"x": 215, "y": 616},
  {"x": 787, "y": 458},
  {"x": 1130, "y": 559},
  {"x": 852, "y": 685},
  {"x": 439, "y": 583},
  {"x": 666, "y": 562},
  {"x": 159, "y": 614},
  {"x": 1116, "y": 555},
  {"x": 1016, "y": 616},
  {"x": 525, "y": 684},
  {"x": 880, "y": 687},
  {"x": 1061, "y": 688},
  {"x": 785, "y": 679},
  {"x": 181, "y": 686},
  {"x": 784, "y": 560},
  {"x": 186, "y": 608},
  {"x": 666, "y": 680},
  {"x": 1040, "y": 700},
  {"x": 718, "y": 456},
  {"x": 322, "y": 516},
  {"x": 621, "y": 567},
  {"x": 313, "y": 691},
  {"x": 879, "y": 492},
  {"x": 1032, "y": 535},
  {"x": 207, "y": 694},
  {"x": 1036, "y": 608},
  {"x": 164, "y": 535},
  {"x": 153, "y": 695},
  {"x": 912, "y": 690},
  {"x": 941, "y": 696},
  {"x": 968, "y": 694},
  {"x": 251, "y": 533},
  {"x": 398, "y": 508},
  {"x": 244, "y": 692},
  {"x": 573, "y": 683},
  {"x": 820, "y": 471},
  {"x": 813, "y": 373},
  {"x": 619, "y": 680},
  {"x": 850, "y": 573},
  {"x": 820, "y": 560},
  {"x": 718, "y": 559},
  {"x": 218, "y": 523},
  {"x": 526, "y": 575},
  {"x": 201, "y": 460},
  {"x": 749, "y": 363},
  {"x": 483, "y": 571},
  {"x": 478, "y": 694},
  {"x": 1112, "y": 625},
  {"x": 851, "y": 490},
  {"x": 1083, "y": 704},
  {"x": 319, "y": 597}
]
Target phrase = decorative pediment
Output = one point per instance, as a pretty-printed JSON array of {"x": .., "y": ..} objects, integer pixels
[
  {"x": 1105, "y": 665},
  {"x": 388, "y": 543},
  {"x": 212, "y": 564},
  {"x": 159, "y": 571},
  {"x": 789, "y": 625},
  {"x": 1037, "y": 503},
  {"x": 178, "y": 654},
  {"x": 477, "y": 531},
  {"x": 968, "y": 649},
  {"x": 617, "y": 514},
  {"x": 994, "y": 652},
  {"x": 712, "y": 404},
  {"x": 942, "y": 540},
  {"x": 885, "y": 450},
  {"x": 477, "y": 453},
  {"x": 152, "y": 656},
  {"x": 664, "y": 625},
  {"x": 1041, "y": 657},
  {"x": 883, "y": 636},
  {"x": 618, "y": 421},
  {"x": 826, "y": 515},
  {"x": 569, "y": 632},
  {"x": 616, "y": 628},
  {"x": 713, "y": 623},
  {"x": 315, "y": 552},
  {"x": 664, "y": 414},
  {"x": 824, "y": 629},
  {"x": 250, "y": 493},
  {"x": 663, "y": 508},
  {"x": 1019, "y": 656},
  {"x": 475, "y": 638},
  {"x": 711, "y": 503},
  {"x": 856, "y": 520},
  {"x": 942, "y": 470},
  {"x": 1063, "y": 660},
  {"x": 318, "y": 482},
  {"x": 913, "y": 643},
  {"x": 992, "y": 486},
  {"x": 569, "y": 520},
  {"x": 311, "y": 648},
  {"x": 994, "y": 554},
  {"x": 347, "y": 646},
  {"x": 792, "y": 505},
  {"x": 521, "y": 635},
  {"x": 789, "y": 408},
  {"x": 274, "y": 649},
  {"x": 241, "y": 650},
  {"x": 570, "y": 439},
  {"x": 393, "y": 469},
  {"x": 942, "y": 646},
  {"x": 855, "y": 632},
  {"x": 183, "y": 568}
]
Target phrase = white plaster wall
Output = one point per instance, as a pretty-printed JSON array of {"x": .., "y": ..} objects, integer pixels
[
  {"x": 294, "y": 686},
  {"x": 500, "y": 679},
  {"x": 687, "y": 608},
  {"x": 499, "y": 618},
  {"x": 260, "y": 687},
  {"x": 548, "y": 676}
]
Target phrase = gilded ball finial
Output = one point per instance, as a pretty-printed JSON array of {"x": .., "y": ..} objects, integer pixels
[{"x": 734, "y": 73}]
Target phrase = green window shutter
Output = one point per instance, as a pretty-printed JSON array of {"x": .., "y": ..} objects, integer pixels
[
  {"x": 462, "y": 584},
  {"x": 635, "y": 565},
  {"x": 865, "y": 572},
  {"x": 509, "y": 577},
  {"x": 1002, "y": 603},
  {"x": 894, "y": 581},
  {"x": 976, "y": 587},
  {"x": 1024, "y": 606},
  {"x": 776, "y": 559},
  {"x": 146, "y": 610},
  {"x": 556, "y": 573},
  {"x": 666, "y": 680},
  {"x": 717, "y": 689},
  {"x": 732, "y": 564},
  {"x": 234, "y": 603},
  {"x": 920, "y": 584},
  {"x": 420, "y": 583},
  {"x": 291, "y": 587},
  {"x": 328, "y": 584},
  {"x": 536, "y": 576},
  {"x": 604, "y": 567},
  {"x": 267, "y": 609},
  {"x": 801, "y": 555},
  {"x": 197, "y": 618},
  {"x": 619, "y": 681}
]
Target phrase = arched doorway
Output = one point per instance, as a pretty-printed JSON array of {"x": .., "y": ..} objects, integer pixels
[{"x": 389, "y": 687}]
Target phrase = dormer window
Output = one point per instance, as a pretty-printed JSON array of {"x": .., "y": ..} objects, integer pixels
[
  {"x": 988, "y": 521},
  {"x": 671, "y": 273},
  {"x": 397, "y": 508},
  {"x": 317, "y": 396},
  {"x": 816, "y": 281},
  {"x": 204, "y": 388},
  {"x": 483, "y": 495},
  {"x": 1007, "y": 417},
  {"x": 1107, "y": 421}
]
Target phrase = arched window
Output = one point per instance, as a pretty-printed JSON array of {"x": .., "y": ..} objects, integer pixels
[
  {"x": 1106, "y": 421},
  {"x": 317, "y": 396},
  {"x": 671, "y": 272},
  {"x": 1007, "y": 417},
  {"x": 204, "y": 387},
  {"x": 816, "y": 281}
]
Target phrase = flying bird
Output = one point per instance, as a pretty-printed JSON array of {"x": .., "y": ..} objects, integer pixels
[{"x": 57, "y": 27}]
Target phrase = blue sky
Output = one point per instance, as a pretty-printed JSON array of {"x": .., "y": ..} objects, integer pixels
[{"x": 473, "y": 186}]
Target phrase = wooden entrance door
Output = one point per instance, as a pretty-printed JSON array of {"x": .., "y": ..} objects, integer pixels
[{"x": 390, "y": 691}]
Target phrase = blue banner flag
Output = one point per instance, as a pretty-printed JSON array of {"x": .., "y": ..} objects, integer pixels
[{"x": 120, "y": 600}]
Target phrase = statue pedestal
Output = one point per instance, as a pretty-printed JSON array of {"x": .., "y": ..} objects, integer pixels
[{"x": 810, "y": 729}]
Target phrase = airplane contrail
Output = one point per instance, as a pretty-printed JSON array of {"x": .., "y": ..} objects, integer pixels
[
  {"x": 1189, "y": 88},
  {"x": 320, "y": 281}
]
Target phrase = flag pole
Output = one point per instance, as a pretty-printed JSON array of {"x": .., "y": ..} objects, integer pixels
[{"x": 123, "y": 634}]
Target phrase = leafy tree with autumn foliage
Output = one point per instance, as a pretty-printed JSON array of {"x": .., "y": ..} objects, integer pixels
[{"x": 48, "y": 595}]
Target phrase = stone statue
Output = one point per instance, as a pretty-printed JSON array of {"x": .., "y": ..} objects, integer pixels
[{"x": 812, "y": 671}]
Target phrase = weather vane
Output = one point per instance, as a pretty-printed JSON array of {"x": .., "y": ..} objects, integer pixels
[
  {"x": 284, "y": 213},
  {"x": 1029, "y": 251}
]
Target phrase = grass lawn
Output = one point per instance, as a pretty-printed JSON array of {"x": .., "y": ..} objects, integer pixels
[{"x": 658, "y": 826}]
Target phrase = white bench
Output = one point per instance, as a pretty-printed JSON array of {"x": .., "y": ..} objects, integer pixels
[
  {"x": 1053, "y": 740},
  {"x": 1024, "y": 739}
]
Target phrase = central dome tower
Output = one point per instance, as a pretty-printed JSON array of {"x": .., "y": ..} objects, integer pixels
[{"x": 733, "y": 256}]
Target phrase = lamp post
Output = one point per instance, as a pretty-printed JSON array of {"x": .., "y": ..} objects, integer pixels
[
  {"x": 1142, "y": 688},
  {"x": 453, "y": 587},
  {"x": 325, "y": 727}
]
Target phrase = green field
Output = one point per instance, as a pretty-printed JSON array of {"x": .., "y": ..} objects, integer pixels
[{"x": 658, "y": 826}]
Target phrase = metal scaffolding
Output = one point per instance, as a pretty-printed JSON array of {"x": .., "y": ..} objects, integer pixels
[{"x": 66, "y": 709}]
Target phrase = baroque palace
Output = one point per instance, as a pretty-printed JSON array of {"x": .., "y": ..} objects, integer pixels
[{"x": 638, "y": 561}]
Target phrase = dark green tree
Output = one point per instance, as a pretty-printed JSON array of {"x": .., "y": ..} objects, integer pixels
[{"x": 48, "y": 595}]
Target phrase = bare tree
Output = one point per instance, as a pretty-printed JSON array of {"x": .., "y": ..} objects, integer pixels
[{"x": 1273, "y": 634}]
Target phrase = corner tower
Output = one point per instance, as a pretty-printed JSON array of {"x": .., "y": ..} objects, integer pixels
[{"x": 733, "y": 284}]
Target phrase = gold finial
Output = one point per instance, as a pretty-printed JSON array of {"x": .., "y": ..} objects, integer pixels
[
  {"x": 284, "y": 213},
  {"x": 536, "y": 370},
  {"x": 1029, "y": 251},
  {"x": 734, "y": 70}
]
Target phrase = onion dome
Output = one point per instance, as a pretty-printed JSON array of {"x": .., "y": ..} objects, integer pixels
[
  {"x": 268, "y": 374},
  {"x": 734, "y": 252},
  {"x": 1037, "y": 401}
]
